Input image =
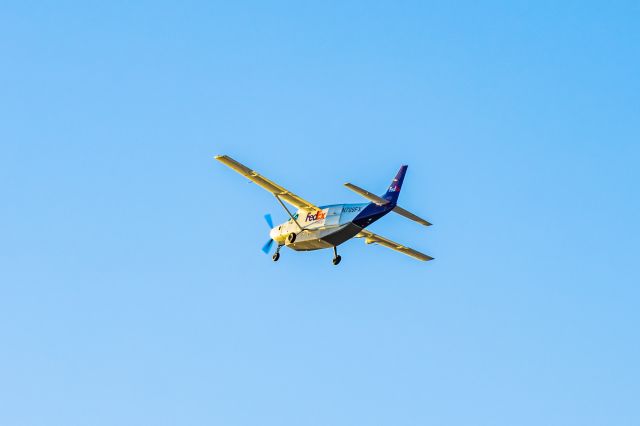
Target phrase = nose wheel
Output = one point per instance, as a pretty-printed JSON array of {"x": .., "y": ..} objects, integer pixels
[
  {"x": 276, "y": 255},
  {"x": 336, "y": 257}
]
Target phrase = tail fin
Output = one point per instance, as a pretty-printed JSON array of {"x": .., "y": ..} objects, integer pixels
[{"x": 396, "y": 185}]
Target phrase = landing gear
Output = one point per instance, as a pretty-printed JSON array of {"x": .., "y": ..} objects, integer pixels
[
  {"x": 276, "y": 255},
  {"x": 336, "y": 257},
  {"x": 291, "y": 238}
]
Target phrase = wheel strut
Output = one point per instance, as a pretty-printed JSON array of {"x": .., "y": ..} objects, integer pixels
[{"x": 336, "y": 257}]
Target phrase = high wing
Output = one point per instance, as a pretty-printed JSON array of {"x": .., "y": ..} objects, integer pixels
[
  {"x": 272, "y": 187},
  {"x": 370, "y": 237}
]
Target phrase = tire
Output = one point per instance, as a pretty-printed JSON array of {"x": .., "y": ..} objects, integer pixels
[
  {"x": 337, "y": 259},
  {"x": 291, "y": 238},
  {"x": 275, "y": 256}
]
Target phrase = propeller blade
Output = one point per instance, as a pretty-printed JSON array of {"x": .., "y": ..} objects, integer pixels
[
  {"x": 267, "y": 217},
  {"x": 267, "y": 247}
]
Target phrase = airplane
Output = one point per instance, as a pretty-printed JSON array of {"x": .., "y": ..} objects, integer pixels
[{"x": 314, "y": 227}]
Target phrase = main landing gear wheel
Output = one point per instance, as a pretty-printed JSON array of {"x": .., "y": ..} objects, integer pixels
[
  {"x": 291, "y": 238},
  {"x": 336, "y": 257}
]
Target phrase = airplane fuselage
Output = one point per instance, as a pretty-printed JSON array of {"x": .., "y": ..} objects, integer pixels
[{"x": 329, "y": 226}]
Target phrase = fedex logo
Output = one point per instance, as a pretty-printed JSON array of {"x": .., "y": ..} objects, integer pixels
[
  {"x": 318, "y": 216},
  {"x": 394, "y": 186}
]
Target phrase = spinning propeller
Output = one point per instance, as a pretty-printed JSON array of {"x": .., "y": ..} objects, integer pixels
[{"x": 267, "y": 247}]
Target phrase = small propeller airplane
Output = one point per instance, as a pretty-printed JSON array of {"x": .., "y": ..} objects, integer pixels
[{"x": 317, "y": 227}]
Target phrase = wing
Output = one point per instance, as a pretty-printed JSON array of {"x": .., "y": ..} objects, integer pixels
[
  {"x": 272, "y": 187},
  {"x": 370, "y": 237}
]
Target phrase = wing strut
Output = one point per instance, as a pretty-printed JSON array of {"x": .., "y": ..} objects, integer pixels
[{"x": 288, "y": 212}]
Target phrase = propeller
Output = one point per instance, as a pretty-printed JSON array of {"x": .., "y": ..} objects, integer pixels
[{"x": 267, "y": 247}]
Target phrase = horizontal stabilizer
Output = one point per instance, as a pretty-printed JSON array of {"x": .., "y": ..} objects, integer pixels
[
  {"x": 381, "y": 202},
  {"x": 409, "y": 215},
  {"x": 366, "y": 194}
]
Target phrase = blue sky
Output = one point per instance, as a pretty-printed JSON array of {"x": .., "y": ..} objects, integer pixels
[{"x": 132, "y": 285}]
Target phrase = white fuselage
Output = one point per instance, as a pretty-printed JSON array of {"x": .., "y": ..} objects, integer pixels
[{"x": 324, "y": 228}]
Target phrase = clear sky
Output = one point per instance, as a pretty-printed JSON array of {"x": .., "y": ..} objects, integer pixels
[{"x": 132, "y": 286}]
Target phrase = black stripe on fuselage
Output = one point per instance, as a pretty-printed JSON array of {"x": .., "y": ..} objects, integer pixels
[
  {"x": 371, "y": 213},
  {"x": 343, "y": 234}
]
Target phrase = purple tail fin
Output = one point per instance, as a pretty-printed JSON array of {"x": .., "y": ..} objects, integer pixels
[{"x": 396, "y": 185}]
